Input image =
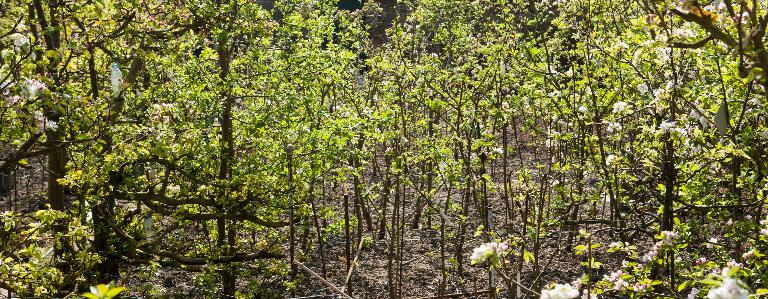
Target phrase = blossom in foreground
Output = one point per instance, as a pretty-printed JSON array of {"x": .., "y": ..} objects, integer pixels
[
  {"x": 694, "y": 293},
  {"x": 488, "y": 252},
  {"x": 560, "y": 291},
  {"x": 730, "y": 288}
]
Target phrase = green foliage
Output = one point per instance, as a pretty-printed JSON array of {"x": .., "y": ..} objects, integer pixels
[{"x": 644, "y": 118}]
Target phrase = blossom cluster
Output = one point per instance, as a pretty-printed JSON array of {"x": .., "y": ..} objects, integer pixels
[
  {"x": 619, "y": 283},
  {"x": 667, "y": 238},
  {"x": 491, "y": 251},
  {"x": 560, "y": 291},
  {"x": 729, "y": 288}
]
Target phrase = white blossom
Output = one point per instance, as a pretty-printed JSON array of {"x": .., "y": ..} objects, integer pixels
[
  {"x": 489, "y": 251},
  {"x": 667, "y": 126},
  {"x": 749, "y": 254},
  {"x": 32, "y": 88},
  {"x": 730, "y": 288},
  {"x": 733, "y": 264},
  {"x": 174, "y": 189},
  {"x": 683, "y": 33},
  {"x": 51, "y": 125},
  {"x": 583, "y": 109},
  {"x": 613, "y": 127},
  {"x": 19, "y": 39},
  {"x": 620, "y": 285},
  {"x": 642, "y": 88},
  {"x": 620, "y": 107},
  {"x": 560, "y": 291},
  {"x": 700, "y": 118}
]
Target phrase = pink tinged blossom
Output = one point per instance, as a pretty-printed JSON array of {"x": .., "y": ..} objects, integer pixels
[
  {"x": 722, "y": 7},
  {"x": 639, "y": 287},
  {"x": 650, "y": 256},
  {"x": 620, "y": 285},
  {"x": 668, "y": 237},
  {"x": 12, "y": 100}
]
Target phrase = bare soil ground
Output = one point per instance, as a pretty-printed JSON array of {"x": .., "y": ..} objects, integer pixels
[{"x": 421, "y": 258}]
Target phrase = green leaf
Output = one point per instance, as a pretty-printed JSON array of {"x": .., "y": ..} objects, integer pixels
[
  {"x": 114, "y": 292},
  {"x": 528, "y": 256}
]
